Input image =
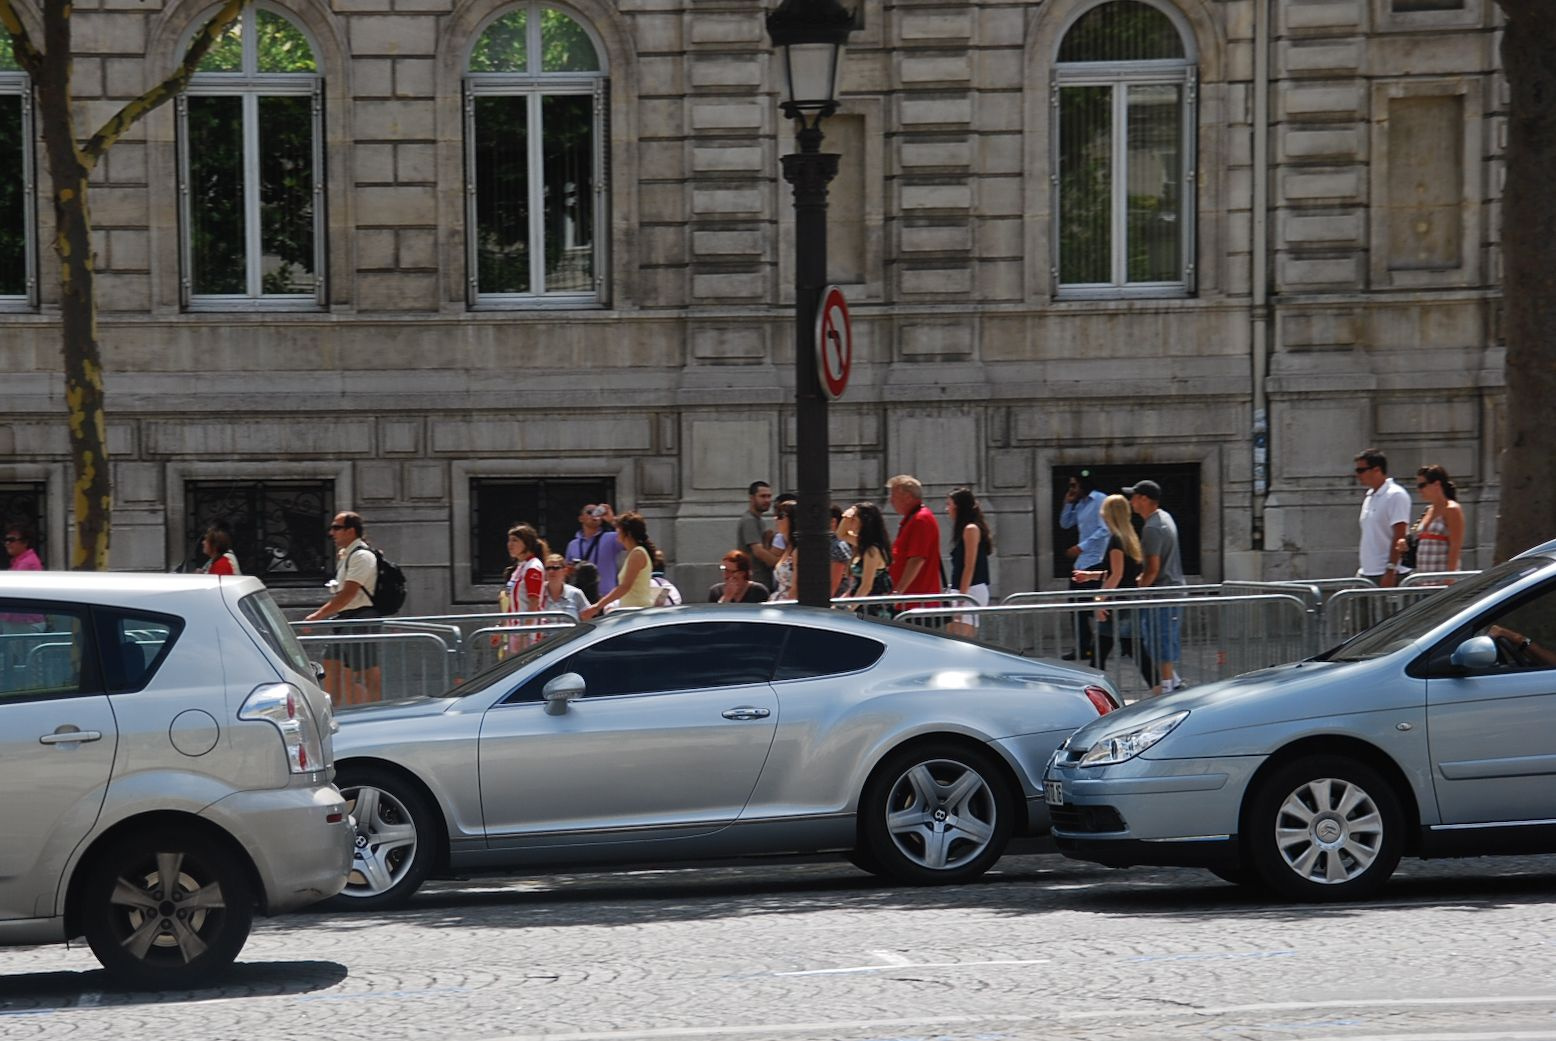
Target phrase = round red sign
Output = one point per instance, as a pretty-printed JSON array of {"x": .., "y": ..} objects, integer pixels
[{"x": 834, "y": 343}]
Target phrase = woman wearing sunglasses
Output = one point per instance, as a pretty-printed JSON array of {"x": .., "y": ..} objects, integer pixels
[
  {"x": 1440, "y": 531},
  {"x": 737, "y": 587},
  {"x": 557, "y": 595}
]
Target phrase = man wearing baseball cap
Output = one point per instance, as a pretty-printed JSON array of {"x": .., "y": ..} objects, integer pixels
[{"x": 1162, "y": 566}]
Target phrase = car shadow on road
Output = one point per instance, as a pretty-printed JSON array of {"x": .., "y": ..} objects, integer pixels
[
  {"x": 1019, "y": 885},
  {"x": 1474, "y": 885},
  {"x": 1016, "y": 885},
  {"x": 43, "y": 992}
]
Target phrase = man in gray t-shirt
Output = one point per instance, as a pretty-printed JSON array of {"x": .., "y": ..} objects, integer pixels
[
  {"x": 1162, "y": 566},
  {"x": 752, "y": 535}
]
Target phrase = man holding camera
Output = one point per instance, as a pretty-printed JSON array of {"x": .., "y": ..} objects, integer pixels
[{"x": 596, "y": 542}]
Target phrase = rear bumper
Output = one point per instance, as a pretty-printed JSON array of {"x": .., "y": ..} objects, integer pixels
[{"x": 301, "y": 856}]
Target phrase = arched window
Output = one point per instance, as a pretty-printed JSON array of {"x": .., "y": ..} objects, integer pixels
[
  {"x": 535, "y": 94},
  {"x": 1123, "y": 142},
  {"x": 251, "y": 164},
  {"x": 18, "y": 276}
]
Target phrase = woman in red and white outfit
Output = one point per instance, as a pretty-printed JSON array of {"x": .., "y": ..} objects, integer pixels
[
  {"x": 526, "y": 580},
  {"x": 217, "y": 546}
]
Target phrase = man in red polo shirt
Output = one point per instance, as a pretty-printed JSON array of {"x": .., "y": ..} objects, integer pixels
[{"x": 915, "y": 553}]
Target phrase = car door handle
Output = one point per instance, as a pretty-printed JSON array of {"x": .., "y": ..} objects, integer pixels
[
  {"x": 70, "y": 737},
  {"x": 747, "y": 712}
]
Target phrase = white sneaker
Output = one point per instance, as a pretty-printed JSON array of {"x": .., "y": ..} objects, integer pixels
[{"x": 1175, "y": 683}]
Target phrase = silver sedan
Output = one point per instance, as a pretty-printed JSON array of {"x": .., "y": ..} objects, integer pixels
[
  {"x": 1430, "y": 735},
  {"x": 709, "y": 732}
]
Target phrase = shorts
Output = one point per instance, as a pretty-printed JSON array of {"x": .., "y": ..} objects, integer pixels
[
  {"x": 979, "y": 593},
  {"x": 356, "y": 655},
  {"x": 1162, "y": 631}
]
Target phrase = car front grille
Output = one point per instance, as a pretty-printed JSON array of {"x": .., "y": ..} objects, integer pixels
[{"x": 1085, "y": 819}]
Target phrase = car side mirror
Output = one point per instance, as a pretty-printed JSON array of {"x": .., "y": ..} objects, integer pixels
[
  {"x": 318, "y": 670},
  {"x": 560, "y": 690},
  {"x": 1478, "y": 652}
]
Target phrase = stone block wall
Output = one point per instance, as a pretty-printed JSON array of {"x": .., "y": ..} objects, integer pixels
[{"x": 1384, "y": 134}]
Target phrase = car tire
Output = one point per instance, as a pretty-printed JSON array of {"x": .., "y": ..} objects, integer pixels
[
  {"x": 396, "y": 839},
  {"x": 936, "y": 813},
  {"x": 860, "y": 858},
  {"x": 167, "y": 909},
  {"x": 1236, "y": 876},
  {"x": 1325, "y": 828}
]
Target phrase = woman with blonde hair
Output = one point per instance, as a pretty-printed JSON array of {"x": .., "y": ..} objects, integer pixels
[
  {"x": 634, "y": 585},
  {"x": 1122, "y": 558}
]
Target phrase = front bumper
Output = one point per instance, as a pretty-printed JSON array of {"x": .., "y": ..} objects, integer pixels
[
  {"x": 302, "y": 856},
  {"x": 1169, "y": 812}
]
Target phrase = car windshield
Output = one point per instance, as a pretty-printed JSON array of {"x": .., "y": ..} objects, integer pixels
[
  {"x": 508, "y": 666},
  {"x": 275, "y": 630},
  {"x": 1427, "y": 614}
]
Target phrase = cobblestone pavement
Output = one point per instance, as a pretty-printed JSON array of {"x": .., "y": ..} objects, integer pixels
[{"x": 1044, "y": 949}]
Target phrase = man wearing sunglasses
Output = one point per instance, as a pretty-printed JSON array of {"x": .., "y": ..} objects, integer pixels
[
  {"x": 351, "y": 671},
  {"x": 1385, "y": 517}
]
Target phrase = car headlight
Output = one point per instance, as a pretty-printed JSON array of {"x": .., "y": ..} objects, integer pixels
[{"x": 1126, "y": 744}]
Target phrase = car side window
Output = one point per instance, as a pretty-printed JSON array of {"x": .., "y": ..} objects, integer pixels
[
  {"x": 132, "y": 646},
  {"x": 1525, "y": 633},
  {"x": 825, "y": 652},
  {"x": 44, "y": 652},
  {"x": 694, "y": 655}
]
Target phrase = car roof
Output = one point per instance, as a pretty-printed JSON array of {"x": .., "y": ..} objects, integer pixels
[
  {"x": 788, "y": 613},
  {"x": 118, "y": 587},
  {"x": 1544, "y": 549}
]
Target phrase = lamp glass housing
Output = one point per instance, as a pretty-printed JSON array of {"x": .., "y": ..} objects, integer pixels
[{"x": 811, "y": 69}]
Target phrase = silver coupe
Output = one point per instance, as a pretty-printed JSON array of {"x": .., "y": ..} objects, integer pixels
[
  {"x": 714, "y": 731},
  {"x": 1432, "y": 734}
]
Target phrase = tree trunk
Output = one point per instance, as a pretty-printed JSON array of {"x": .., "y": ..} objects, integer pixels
[
  {"x": 1529, "y": 279},
  {"x": 92, "y": 500}
]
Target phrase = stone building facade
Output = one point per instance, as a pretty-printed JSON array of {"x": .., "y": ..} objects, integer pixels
[{"x": 1067, "y": 241}]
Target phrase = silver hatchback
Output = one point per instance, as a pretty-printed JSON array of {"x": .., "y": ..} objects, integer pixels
[
  {"x": 1432, "y": 734},
  {"x": 165, "y": 757}
]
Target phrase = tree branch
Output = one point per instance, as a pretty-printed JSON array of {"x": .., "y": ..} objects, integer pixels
[
  {"x": 27, "y": 53},
  {"x": 163, "y": 92}
]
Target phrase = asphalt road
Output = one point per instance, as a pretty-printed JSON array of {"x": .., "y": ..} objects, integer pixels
[{"x": 1043, "y": 949}]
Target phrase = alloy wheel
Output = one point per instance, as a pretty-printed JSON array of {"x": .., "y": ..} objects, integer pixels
[
  {"x": 386, "y": 841},
  {"x": 941, "y": 814}
]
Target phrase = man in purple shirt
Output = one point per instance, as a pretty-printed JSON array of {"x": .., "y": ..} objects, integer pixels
[{"x": 596, "y": 542}]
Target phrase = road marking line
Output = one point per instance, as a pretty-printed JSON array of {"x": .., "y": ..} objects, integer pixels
[
  {"x": 905, "y": 964},
  {"x": 833, "y": 1027}
]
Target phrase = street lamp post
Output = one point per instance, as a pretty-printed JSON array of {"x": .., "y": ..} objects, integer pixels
[{"x": 810, "y": 35}]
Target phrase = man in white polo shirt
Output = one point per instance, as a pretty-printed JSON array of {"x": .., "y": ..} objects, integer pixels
[
  {"x": 351, "y": 669},
  {"x": 1385, "y": 517}
]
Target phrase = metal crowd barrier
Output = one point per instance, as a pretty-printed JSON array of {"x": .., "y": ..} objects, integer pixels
[
  {"x": 1350, "y": 611},
  {"x": 1219, "y": 636},
  {"x": 1435, "y": 578}
]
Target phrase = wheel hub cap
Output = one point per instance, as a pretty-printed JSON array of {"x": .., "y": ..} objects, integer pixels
[{"x": 1329, "y": 831}]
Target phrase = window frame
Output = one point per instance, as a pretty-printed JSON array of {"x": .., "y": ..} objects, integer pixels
[
  {"x": 1119, "y": 76},
  {"x": 16, "y": 83},
  {"x": 193, "y": 527},
  {"x": 535, "y": 86},
  {"x": 89, "y": 677},
  {"x": 250, "y": 84}
]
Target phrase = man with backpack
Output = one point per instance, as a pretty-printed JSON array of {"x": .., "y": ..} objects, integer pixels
[{"x": 351, "y": 669}]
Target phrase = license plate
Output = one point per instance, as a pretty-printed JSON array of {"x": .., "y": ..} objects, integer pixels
[{"x": 1053, "y": 793}]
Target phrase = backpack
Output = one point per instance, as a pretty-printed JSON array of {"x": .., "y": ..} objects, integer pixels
[
  {"x": 665, "y": 593},
  {"x": 389, "y": 595}
]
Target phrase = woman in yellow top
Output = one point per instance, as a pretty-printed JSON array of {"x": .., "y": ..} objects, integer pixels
[{"x": 635, "y": 587}]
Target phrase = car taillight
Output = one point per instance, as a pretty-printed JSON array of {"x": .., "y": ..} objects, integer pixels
[
  {"x": 1101, "y": 700},
  {"x": 284, "y": 707}
]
